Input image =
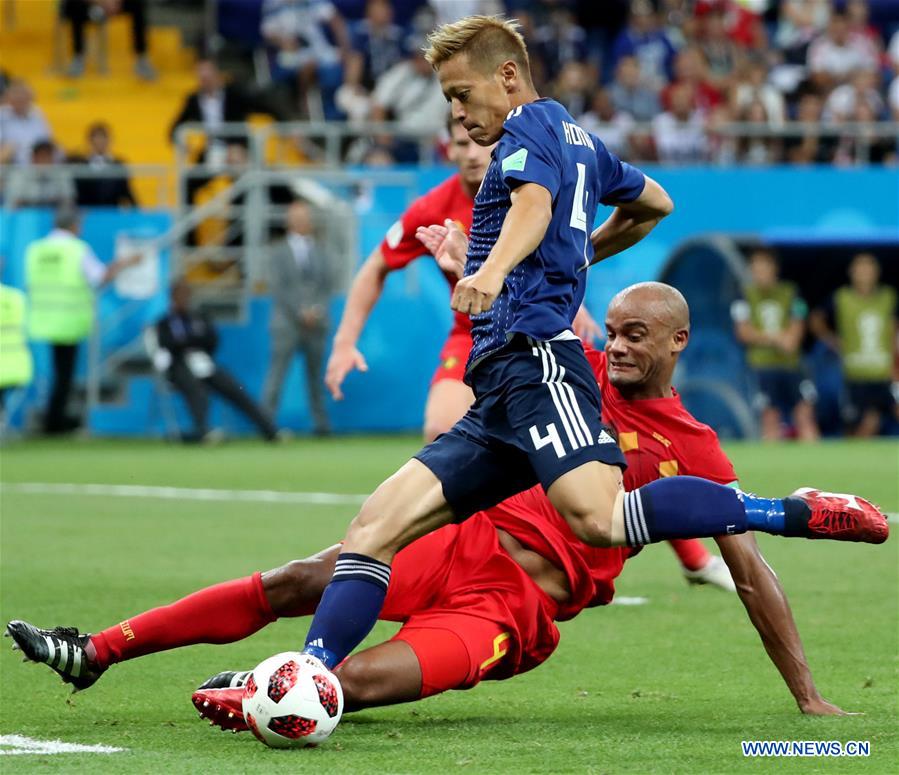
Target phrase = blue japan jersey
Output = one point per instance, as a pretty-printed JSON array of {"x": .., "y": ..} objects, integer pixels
[{"x": 542, "y": 144}]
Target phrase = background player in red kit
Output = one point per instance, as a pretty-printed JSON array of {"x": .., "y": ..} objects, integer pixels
[
  {"x": 453, "y": 200},
  {"x": 479, "y": 600}
]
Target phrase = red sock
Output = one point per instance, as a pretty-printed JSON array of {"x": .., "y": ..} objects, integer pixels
[
  {"x": 691, "y": 552},
  {"x": 222, "y": 613}
]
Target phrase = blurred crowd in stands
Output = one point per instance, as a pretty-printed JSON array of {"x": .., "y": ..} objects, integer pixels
[
  {"x": 657, "y": 80},
  {"x": 675, "y": 81}
]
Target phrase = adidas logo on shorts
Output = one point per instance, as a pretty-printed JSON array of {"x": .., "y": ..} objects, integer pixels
[{"x": 605, "y": 438}]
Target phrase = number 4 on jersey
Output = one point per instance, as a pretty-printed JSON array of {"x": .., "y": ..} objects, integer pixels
[{"x": 551, "y": 437}]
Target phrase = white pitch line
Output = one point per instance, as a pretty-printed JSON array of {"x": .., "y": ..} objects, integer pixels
[
  {"x": 23, "y": 746},
  {"x": 184, "y": 493},
  {"x": 623, "y": 600},
  {"x": 204, "y": 494}
]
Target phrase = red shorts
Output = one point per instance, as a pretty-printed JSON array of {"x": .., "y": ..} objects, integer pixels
[
  {"x": 469, "y": 611},
  {"x": 453, "y": 357}
]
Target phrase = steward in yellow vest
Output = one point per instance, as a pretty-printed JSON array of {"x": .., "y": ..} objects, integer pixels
[
  {"x": 16, "y": 366},
  {"x": 61, "y": 274},
  {"x": 770, "y": 322},
  {"x": 862, "y": 328}
]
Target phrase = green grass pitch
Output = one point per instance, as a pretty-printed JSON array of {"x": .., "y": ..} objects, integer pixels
[{"x": 670, "y": 687}]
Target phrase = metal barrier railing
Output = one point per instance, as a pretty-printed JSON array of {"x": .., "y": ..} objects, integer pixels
[
  {"x": 67, "y": 176},
  {"x": 252, "y": 217}
]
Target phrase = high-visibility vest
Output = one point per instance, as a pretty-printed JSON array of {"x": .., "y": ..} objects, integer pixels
[
  {"x": 771, "y": 311},
  {"x": 61, "y": 300},
  {"x": 865, "y": 327},
  {"x": 16, "y": 366}
]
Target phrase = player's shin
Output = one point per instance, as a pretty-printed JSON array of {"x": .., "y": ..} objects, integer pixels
[{"x": 349, "y": 607}]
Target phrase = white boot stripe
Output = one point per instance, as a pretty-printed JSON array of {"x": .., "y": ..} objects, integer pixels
[{"x": 51, "y": 649}]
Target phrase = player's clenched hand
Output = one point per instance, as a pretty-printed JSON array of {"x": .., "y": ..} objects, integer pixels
[
  {"x": 448, "y": 244},
  {"x": 344, "y": 358},
  {"x": 821, "y": 707},
  {"x": 476, "y": 293}
]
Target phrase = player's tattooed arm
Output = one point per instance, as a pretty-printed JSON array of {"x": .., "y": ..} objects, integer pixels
[
  {"x": 768, "y": 609},
  {"x": 523, "y": 229},
  {"x": 631, "y": 221}
]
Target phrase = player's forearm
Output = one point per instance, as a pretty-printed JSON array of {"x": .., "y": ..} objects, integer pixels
[
  {"x": 523, "y": 229},
  {"x": 620, "y": 231},
  {"x": 748, "y": 334},
  {"x": 793, "y": 336},
  {"x": 630, "y": 222},
  {"x": 365, "y": 291},
  {"x": 768, "y": 610}
]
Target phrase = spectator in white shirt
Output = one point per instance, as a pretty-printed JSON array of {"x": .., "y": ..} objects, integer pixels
[
  {"x": 835, "y": 55},
  {"x": 842, "y": 102},
  {"x": 893, "y": 98},
  {"x": 310, "y": 42},
  {"x": 753, "y": 87},
  {"x": 800, "y": 22},
  {"x": 611, "y": 125},
  {"x": 679, "y": 133},
  {"x": 629, "y": 94},
  {"x": 410, "y": 94},
  {"x": 42, "y": 183},
  {"x": 22, "y": 124}
]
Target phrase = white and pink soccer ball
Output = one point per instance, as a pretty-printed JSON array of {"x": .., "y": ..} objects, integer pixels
[{"x": 292, "y": 700}]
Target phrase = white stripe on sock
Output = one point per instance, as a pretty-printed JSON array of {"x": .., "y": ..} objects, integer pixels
[
  {"x": 382, "y": 574},
  {"x": 642, "y": 519}
]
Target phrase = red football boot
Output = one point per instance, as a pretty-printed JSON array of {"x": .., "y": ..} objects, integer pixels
[
  {"x": 843, "y": 517},
  {"x": 221, "y": 707}
]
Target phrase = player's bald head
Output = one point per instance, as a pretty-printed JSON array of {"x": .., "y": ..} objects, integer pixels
[
  {"x": 654, "y": 302},
  {"x": 647, "y": 328}
]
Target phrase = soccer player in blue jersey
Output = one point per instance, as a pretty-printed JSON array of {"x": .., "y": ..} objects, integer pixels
[{"x": 536, "y": 417}]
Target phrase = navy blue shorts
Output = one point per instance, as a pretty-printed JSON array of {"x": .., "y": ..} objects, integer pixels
[
  {"x": 536, "y": 416},
  {"x": 869, "y": 395},
  {"x": 779, "y": 389}
]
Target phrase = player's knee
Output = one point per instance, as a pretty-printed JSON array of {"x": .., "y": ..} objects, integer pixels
[
  {"x": 369, "y": 533},
  {"x": 590, "y": 527},
  {"x": 376, "y": 528},
  {"x": 291, "y": 587},
  {"x": 360, "y": 687}
]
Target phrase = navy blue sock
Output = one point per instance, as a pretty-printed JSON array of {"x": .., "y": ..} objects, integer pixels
[
  {"x": 688, "y": 507},
  {"x": 681, "y": 507},
  {"x": 348, "y": 609}
]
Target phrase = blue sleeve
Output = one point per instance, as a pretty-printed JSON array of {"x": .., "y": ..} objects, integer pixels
[
  {"x": 529, "y": 153},
  {"x": 619, "y": 180}
]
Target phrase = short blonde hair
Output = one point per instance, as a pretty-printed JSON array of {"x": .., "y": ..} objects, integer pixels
[{"x": 488, "y": 41}]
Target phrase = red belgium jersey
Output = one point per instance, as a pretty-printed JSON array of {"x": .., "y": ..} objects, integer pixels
[
  {"x": 400, "y": 247},
  {"x": 659, "y": 438}
]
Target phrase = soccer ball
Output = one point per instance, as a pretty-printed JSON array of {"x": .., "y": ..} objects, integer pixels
[{"x": 292, "y": 700}]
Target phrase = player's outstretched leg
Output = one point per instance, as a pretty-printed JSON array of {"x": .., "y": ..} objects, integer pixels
[
  {"x": 251, "y": 603},
  {"x": 686, "y": 507}
]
